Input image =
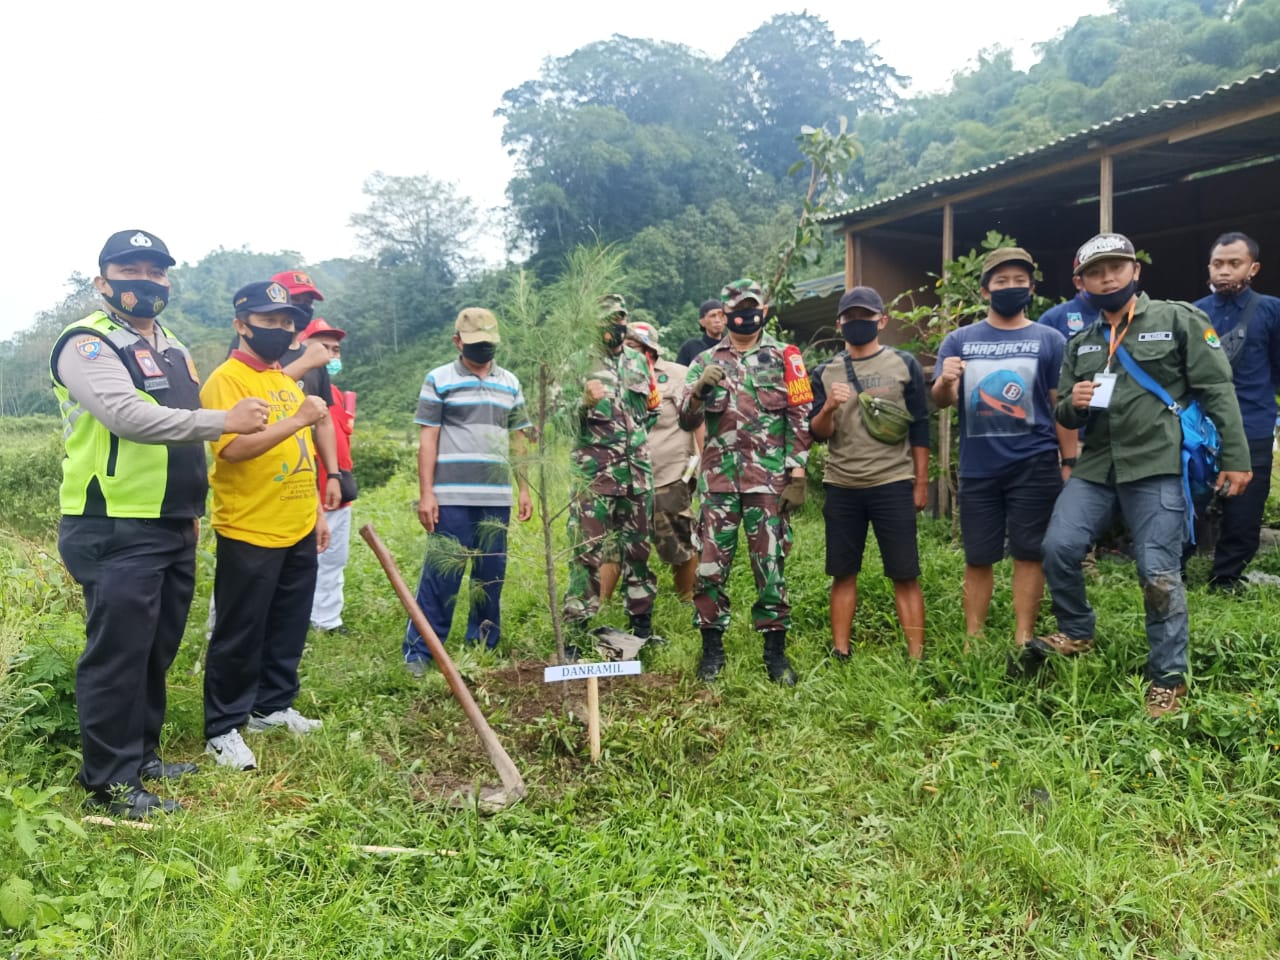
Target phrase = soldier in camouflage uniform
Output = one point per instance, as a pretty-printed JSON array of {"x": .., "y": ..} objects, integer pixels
[
  {"x": 754, "y": 396},
  {"x": 612, "y": 479}
]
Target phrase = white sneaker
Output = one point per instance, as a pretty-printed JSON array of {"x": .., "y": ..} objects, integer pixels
[
  {"x": 229, "y": 750},
  {"x": 290, "y": 720}
]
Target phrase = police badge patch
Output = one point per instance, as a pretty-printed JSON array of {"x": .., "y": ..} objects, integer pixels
[{"x": 89, "y": 348}]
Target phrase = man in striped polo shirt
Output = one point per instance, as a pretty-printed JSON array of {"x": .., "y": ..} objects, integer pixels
[{"x": 467, "y": 411}]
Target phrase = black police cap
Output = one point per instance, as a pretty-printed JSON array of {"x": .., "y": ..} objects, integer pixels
[{"x": 131, "y": 244}]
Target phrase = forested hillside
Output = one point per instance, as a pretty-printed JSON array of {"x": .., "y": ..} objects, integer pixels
[{"x": 682, "y": 160}]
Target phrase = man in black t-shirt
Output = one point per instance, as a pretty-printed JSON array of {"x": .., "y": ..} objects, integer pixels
[{"x": 712, "y": 320}]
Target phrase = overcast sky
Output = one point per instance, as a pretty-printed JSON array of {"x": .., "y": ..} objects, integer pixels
[{"x": 192, "y": 119}]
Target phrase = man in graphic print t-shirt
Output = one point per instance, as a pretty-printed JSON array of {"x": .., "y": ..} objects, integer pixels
[{"x": 1002, "y": 374}]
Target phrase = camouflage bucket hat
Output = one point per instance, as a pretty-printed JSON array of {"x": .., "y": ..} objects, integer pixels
[
  {"x": 645, "y": 334},
  {"x": 885, "y": 421},
  {"x": 613, "y": 305}
]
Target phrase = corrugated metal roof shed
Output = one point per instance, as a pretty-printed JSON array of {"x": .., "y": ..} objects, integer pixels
[{"x": 1157, "y": 144}]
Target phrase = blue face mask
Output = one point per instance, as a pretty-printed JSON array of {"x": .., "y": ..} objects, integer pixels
[{"x": 333, "y": 367}]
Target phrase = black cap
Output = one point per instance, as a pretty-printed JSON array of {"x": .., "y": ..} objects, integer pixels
[
  {"x": 130, "y": 244},
  {"x": 708, "y": 306},
  {"x": 864, "y": 297},
  {"x": 267, "y": 296}
]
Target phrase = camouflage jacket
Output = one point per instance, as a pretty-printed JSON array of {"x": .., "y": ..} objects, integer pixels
[
  {"x": 757, "y": 418},
  {"x": 610, "y": 450}
]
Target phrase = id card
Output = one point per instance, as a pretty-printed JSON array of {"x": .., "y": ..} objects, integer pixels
[{"x": 1104, "y": 384}]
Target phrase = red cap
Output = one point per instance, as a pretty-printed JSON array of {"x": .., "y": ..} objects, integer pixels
[
  {"x": 296, "y": 282},
  {"x": 320, "y": 325}
]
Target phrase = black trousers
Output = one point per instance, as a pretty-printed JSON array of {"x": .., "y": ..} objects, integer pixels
[
  {"x": 137, "y": 577},
  {"x": 262, "y": 600},
  {"x": 1241, "y": 525}
]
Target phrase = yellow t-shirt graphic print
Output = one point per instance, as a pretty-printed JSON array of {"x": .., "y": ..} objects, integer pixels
[{"x": 271, "y": 500}]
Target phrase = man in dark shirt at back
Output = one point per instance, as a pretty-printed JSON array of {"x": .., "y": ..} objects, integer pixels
[
  {"x": 711, "y": 319},
  {"x": 1248, "y": 324}
]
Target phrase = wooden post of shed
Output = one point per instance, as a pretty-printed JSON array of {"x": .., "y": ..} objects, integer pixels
[
  {"x": 944, "y": 416},
  {"x": 852, "y": 260},
  {"x": 1106, "y": 188}
]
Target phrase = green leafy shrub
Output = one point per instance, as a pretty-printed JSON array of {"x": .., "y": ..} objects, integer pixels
[
  {"x": 30, "y": 472},
  {"x": 377, "y": 454}
]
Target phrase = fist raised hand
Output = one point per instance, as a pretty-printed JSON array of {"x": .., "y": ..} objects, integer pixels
[{"x": 248, "y": 416}]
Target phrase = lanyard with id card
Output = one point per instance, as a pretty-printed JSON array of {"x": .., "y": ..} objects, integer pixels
[{"x": 1105, "y": 382}]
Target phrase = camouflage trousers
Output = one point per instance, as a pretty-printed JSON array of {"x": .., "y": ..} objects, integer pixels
[
  {"x": 768, "y": 543},
  {"x": 673, "y": 523},
  {"x": 596, "y": 521}
]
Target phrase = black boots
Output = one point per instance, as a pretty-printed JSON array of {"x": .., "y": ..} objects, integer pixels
[
  {"x": 712, "y": 661},
  {"x": 775, "y": 658},
  {"x": 642, "y": 627}
]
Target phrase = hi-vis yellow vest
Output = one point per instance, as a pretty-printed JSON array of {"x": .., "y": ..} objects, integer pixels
[{"x": 104, "y": 475}]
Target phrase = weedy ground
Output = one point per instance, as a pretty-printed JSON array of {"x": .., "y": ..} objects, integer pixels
[{"x": 881, "y": 808}]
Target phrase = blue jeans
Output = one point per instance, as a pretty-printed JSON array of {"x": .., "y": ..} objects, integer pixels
[
  {"x": 1155, "y": 513},
  {"x": 438, "y": 588}
]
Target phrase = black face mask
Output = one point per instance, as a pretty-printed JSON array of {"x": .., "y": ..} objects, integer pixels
[
  {"x": 1113, "y": 301},
  {"x": 1010, "y": 301},
  {"x": 860, "y": 332},
  {"x": 1231, "y": 289},
  {"x": 612, "y": 336},
  {"x": 481, "y": 352},
  {"x": 269, "y": 343},
  {"x": 746, "y": 322},
  {"x": 138, "y": 298},
  {"x": 308, "y": 309}
]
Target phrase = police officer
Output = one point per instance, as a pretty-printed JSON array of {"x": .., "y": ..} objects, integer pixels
[
  {"x": 612, "y": 478},
  {"x": 754, "y": 396},
  {"x": 1131, "y": 458},
  {"x": 133, "y": 490}
]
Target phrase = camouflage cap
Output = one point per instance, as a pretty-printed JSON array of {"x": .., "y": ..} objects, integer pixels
[
  {"x": 644, "y": 334},
  {"x": 613, "y": 305},
  {"x": 477, "y": 325},
  {"x": 739, "y": 290}
]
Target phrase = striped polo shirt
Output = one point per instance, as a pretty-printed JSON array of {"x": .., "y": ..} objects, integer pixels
[{"x": 476, "y": 416}]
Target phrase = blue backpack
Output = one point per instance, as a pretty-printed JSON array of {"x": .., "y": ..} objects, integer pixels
[{"x": 1200, "y": 442}]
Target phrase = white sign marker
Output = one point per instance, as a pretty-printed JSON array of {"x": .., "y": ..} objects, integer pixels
[{"x": 582, "y": 671}]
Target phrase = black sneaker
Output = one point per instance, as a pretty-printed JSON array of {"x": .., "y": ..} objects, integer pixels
[
  {"x": 839, "y": 656},
  {"x": 1025, "y": 663},
  {"x": 159, "y": 770},
  {"x": 133, "y": 803}
]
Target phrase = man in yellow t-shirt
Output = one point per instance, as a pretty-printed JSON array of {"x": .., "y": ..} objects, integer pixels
[{"x": 269, "y": 526}]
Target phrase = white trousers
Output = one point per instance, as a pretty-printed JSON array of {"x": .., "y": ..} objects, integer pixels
[{"x": 326, "y": 606}]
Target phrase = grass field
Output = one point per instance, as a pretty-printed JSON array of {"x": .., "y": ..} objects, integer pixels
[{"x": 879, "y": 809}]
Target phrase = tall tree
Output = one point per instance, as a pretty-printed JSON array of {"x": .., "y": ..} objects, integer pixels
[
  {"x": 792, "y": 72},
  {"x": 419, "y": 233}
]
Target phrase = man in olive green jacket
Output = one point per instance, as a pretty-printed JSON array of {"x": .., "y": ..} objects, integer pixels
[{"x": 1132, "y": 457}]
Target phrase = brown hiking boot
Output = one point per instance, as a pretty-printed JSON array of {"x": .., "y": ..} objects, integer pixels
[
  {"x": 1061, "y": 644},
  {"x": 1162, "y": 700}
]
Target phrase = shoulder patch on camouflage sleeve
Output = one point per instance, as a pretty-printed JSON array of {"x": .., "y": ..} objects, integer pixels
[{"x": 799, "y": 389}]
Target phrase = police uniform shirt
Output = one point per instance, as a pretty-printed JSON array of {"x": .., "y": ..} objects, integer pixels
[{"x": 97, "y": 379}]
